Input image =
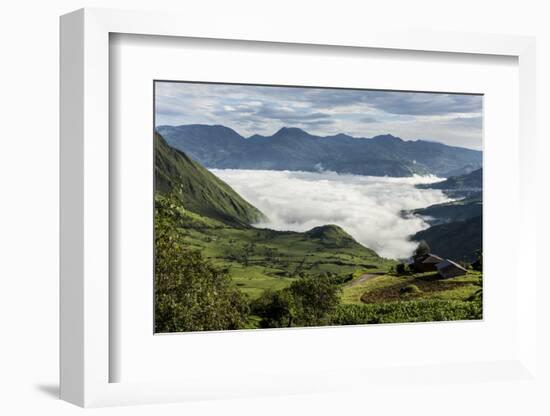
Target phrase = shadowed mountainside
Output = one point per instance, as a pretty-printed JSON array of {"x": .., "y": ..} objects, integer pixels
[
  {"x": 456, "y": 240},
  {"x": 456, "y": 227},
  {"x": 459, "y": 185}
]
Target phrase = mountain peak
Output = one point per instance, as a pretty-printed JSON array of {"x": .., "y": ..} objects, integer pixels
[
  {"x": 200, "y": 130},
  {"x": 388, "y": 138},
  {"x": 332, "y": 234},
  {"x": 256, "y": 137},
  {"x": 291, "y": 131},
  {"x": 328, "y": 231},
  {"x": 339, "y": 136}
]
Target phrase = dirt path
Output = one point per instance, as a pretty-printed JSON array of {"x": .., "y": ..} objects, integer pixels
[{"x": 363, "y": 278}]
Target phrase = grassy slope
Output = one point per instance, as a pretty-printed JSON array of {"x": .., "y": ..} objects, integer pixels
[
  {"x": 382, "y": 300},
  {"x": 198, "y": 189},
  {"x": 388, "y": 287}
]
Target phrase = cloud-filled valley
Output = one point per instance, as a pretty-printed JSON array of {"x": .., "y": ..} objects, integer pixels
[{"x": 366, "y": 207}]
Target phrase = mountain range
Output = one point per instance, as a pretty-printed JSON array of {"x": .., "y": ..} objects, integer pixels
[{"x": 216, "y": 146}]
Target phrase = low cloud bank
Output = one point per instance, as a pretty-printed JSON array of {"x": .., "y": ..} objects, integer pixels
[{"x": 367, "y": 207}]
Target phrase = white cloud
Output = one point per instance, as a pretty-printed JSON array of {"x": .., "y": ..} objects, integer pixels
[{"x": 366, "y": 207}]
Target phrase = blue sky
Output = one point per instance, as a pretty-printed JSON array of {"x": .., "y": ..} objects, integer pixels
[{"x": 454, "y": 119}]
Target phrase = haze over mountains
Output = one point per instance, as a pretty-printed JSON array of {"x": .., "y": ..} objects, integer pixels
[{"x": 294, "y": 149}]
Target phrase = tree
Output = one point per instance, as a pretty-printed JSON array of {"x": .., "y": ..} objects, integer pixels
[
  {"x": 400, "y": 268},
  {"x": 190, "y": 293},
  {"x": 422, "y": 248},
  {"x": 315, "y": 298},
  {"x": 478, "y": 294},
  {"x": 478, "y": 264},
  {"x": 277, "y": 309},
  {"x": 307, "y": 302}
]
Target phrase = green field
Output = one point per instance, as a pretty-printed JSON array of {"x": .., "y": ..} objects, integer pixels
[{"x": 391, "y": 287}]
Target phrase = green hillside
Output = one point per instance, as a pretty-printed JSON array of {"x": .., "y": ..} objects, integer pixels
[
  {"x": 258, "y": 258},
  {"x": 198, "y": 189},
  {"x": 332, "y": 235}
]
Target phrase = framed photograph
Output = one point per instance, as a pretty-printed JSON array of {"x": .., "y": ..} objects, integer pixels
[
  {"x": 300, "y": 220},
  {"x": 273, "y": 212}
]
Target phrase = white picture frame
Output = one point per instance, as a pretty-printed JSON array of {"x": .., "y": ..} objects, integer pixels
[{"x": 85, "y": 355}]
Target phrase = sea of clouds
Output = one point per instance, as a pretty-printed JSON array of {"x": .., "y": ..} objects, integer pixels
[{"x": 367, "y": 207}]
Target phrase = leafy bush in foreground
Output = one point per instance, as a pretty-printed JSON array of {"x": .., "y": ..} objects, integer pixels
[
  {"x": 277, "y": 309},
  {"x": 314, "y": 297},
  {"x": 190, "y": 293},
  {"x": 409, "y": 290},
  {"x": 422, "y": 248},
  {"x": 307, "y": 302}
]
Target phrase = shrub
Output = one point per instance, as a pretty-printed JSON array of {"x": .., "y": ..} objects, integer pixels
[
  {"x": 409, "y": 290},
  {"x": 422, "y": 248},
  {"x": 400, "y": 268},
  {"x": 478, "y": 264},
  {"x": 307, "y": 302},
  {"x": 421, "y": 310},
  {"x": 314, "y": 299},
  {"x": 341, "y": 279},
  {"x": 191, "y": 294},
  {"x": 276, "y": 308}
]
